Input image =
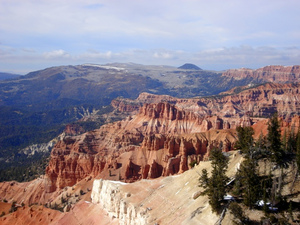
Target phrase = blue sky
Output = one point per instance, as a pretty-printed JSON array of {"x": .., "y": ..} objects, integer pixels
[{"x": 215, "y": 34}]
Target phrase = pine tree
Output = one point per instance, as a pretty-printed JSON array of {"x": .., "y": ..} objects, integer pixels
[
  {"x": 298, "y": 151},
  {"x": 204, "y": 180},
  {"x": 289, "y": 141},
  {"x": 248, "y": 177},
  {"x": 238, "y": 213},
  {"x": 250, "y": 181},
  {"x": 215, "y": 186},
  {"x": 285, "y": 141},
  {"x": 274, "y": 141},
  {"x": 245, "y": 139},
  {"x": 278, "y": 155},
  {"x": 260, "y": 147}
]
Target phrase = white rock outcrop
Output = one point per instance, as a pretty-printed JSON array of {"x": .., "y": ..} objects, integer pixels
[
  {"x": 41, "y": 148},
  {"x": 115, "y": 201}
]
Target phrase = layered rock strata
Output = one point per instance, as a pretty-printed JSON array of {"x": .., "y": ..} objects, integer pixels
[
  {"x": 166, "y": 200},
  {"x": 260, "y": 101},
  {"x": 278, "y": 74},
  {"x": 155, "y": 142},
  {"x": 165, "y": 138}
]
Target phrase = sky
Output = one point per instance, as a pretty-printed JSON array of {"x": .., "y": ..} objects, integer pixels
[{"x": 214, "y": 34}]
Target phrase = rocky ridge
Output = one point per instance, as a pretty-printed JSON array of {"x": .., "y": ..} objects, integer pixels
[
  {"x": 167, "y": 200},
  {"x": 164, "y": 138},
  {"x": 259, "y": 101},
  {"x": 278, "y": 74},
  {"x": 160, "y": 140},
  {"x": 48, "y": 98}
]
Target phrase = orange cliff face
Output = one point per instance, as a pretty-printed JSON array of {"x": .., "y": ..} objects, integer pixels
[
  {"x": 287, "y": 126},
  {"x": 160, "y": 140},
  {"x": 261, "y": 101},
  {"x": 163, "y": 138},
  {"x": 277, "y": 74}
]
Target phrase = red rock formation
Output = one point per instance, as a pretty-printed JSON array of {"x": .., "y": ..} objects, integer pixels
[
  {"x": 31, "y": 215},
  {"x": 261, "y": 101},
  {"x": 73, "y": 129},
  {"x": 151, "y": 136},
  {"x": 278, "y": 74},
  {"x": 287, "y": 125},
  {"x": 28, "y": 192},
  {"x": 122, "y": 105},
  {"x": 156, "y": 142},
  {"x": 128, "y": 105}
]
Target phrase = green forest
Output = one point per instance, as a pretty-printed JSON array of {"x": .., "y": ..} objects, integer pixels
[
  {"x": 250, "y": 188},
  {"x": 22, "y": 128}
]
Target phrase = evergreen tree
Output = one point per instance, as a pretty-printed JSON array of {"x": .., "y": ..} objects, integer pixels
[
  {"x": 215, "y": 186},
  {"x": 274, "y": 141},
  {"x": 285, "y": 141},
  {"x": 298, "y": 151},
  {"x": 260, "y": 147},
  {"x": 239, "y": 216},
  {"x": 248, "y": 178},
  {"x": 250, "y": 181},
  {"x": 289, "y": 141},
  {"x": 204, "y": 180},
  {"x": 245, "y": 139},
  {"x": 278, "y": 155}
]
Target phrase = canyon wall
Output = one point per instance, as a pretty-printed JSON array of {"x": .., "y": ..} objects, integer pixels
[
  {"x": 278, "y": 74},
  {"x": 160, "y": 140},
  {"x": 115, "y": 202},
  {"x": 166, "y": 200},
  {"x": 259, "y": 101},
  {"x": 165, "y": 138}
]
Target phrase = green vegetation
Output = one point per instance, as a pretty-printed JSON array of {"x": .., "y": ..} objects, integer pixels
[
  {"x": 13, "y": 207},
  {"x": 28, "y": 171},
  {"x": 18, "y": 130},
  {"x": 239, "y": 216},
  {"x": 245, "y": 140},
  {"x": 298, "y": 151},
  {"x": 250, "y": 186},
  {"x": 193, "y": 163},
  {"x": 274, "y": 144},
  {"x": 215, "y": 186}
]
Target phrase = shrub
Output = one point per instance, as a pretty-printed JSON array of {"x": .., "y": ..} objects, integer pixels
[
  {"x": 13, "y": 207},
  {"x": 193, "y": 163},
  {"x": 238, "y": 213}
]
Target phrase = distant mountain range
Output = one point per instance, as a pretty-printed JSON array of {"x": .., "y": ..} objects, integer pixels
[
  {"x": 57, "y": 87},
  {"x": 36, "y": 107},
  {"x": 5, "y": 76}
]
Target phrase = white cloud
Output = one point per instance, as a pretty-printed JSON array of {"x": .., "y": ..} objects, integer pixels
[
  {"x": 213, "y": 59},
  {"x": 93, "y": 54},
  {"x": 163, "y": 55},
  {"x": 56, "y": 54},
  {"x": 215, "y": 33}
]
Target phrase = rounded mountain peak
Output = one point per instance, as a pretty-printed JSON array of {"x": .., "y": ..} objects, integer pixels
[{"x": 189, "y": 66}]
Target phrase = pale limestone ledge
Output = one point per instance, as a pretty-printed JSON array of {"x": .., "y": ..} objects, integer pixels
[{"x": 110, "y": 196}]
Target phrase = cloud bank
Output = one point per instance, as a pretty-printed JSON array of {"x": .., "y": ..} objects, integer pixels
[{"x": 214, "y": 35}]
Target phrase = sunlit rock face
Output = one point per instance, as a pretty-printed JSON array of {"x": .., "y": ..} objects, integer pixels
[
  {"x": 277, "y": 74},
  {"x": 113, "y": 199},
  {"x": 165, "y": 137},
  {"x": 160, "y": 140}
]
